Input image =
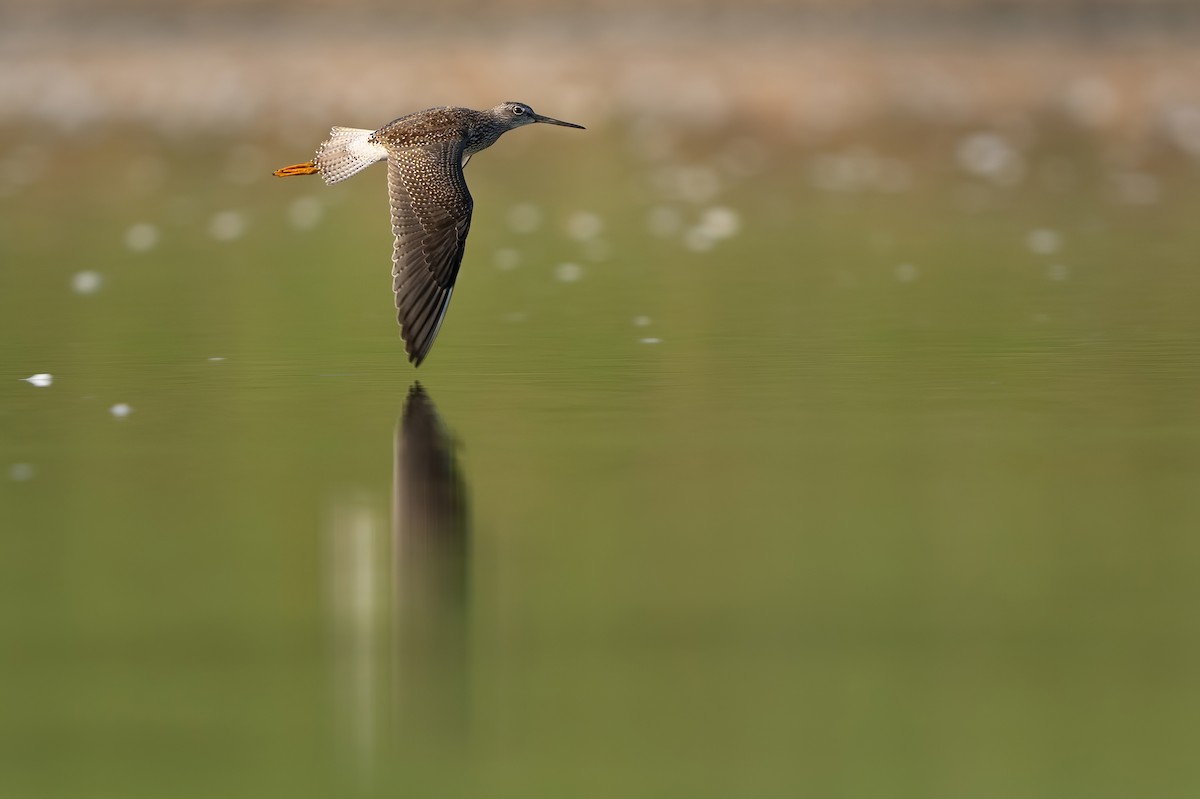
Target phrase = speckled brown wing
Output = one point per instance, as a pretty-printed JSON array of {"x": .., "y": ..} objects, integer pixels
[{"x": 431, "y": 214}]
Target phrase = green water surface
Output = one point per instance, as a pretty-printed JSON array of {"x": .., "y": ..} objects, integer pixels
[{"x": 872, "y": 492}]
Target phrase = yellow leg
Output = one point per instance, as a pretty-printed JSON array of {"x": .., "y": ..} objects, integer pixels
[{"x": 307, "y": 168}]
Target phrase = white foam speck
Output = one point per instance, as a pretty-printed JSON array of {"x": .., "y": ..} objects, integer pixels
[
  {"x": 141, "y": 237},
  {"x": 569, "y": 273},
  {"x": 305, "y": 212},
  {"x": 720, "y": 222},
  {"x": 506, "y": 258},
  {"x": 524, "y": 218},
  {"x": 216, "y": 358},
  {"x": 1043, "y": 241},
  {"x": 227, "y": 225},
  {"x": 20, "y": 472},
  {"x": 906, "y": 273},
  {"x": 989, "y": 155},
  {"x": 120, "y": 410},
  {"x": 584, "y": 225},
  {"x": 86, "y": 282},
  {"x": 641, "y": 321},
  {"x": 40, "y": 380},
  {"x": 650, "y": 340}
]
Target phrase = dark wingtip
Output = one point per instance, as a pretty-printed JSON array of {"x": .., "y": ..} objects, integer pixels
[
  {"x": 415, "y": 357},
  {"x": 417, "y": 352},
  {"x": 419, "y": 336}
]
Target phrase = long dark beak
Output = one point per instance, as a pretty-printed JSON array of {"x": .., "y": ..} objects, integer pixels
[{"x": 552, "y": 121}]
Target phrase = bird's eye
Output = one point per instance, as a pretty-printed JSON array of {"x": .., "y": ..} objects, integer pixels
[{"x": 518, "y": 110}]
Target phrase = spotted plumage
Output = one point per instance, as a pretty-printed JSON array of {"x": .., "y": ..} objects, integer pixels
[{"x": 430, "y": 204}]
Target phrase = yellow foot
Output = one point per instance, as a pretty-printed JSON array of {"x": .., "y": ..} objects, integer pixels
[{"x": 307, "y": 168}]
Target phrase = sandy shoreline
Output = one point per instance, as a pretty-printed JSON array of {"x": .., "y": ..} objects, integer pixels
[{"x": 797, "y": 84}]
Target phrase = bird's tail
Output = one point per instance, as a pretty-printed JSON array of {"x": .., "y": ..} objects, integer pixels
[{"x": 346, "y": 152}]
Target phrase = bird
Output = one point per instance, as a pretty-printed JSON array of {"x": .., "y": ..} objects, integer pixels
[{"x": 430, "y": 204}]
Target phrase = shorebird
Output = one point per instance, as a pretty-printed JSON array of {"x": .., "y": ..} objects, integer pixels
[{"x": 431, "y": 206}]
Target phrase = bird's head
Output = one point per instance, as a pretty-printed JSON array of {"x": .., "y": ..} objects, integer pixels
[{"x": 513, "y": 115}]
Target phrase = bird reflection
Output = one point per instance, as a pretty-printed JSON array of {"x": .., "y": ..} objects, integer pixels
[{"x": 431, "y": 537}]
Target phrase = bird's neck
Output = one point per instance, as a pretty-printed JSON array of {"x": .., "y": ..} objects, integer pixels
[{"x": 480, "y": 137}]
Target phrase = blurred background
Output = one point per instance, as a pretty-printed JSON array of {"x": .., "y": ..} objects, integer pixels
[{"x": 822, "y": 420}]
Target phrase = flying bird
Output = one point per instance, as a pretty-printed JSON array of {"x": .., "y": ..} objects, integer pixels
[{"x": 431, "y": 206}]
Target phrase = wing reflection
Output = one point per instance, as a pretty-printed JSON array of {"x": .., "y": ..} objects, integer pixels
[
  {"x": 431, "y": 537},
  {"x": 429, "y": 512}
]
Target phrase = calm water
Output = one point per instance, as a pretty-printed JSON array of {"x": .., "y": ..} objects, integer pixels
[{"x": 751, "y": 471}]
